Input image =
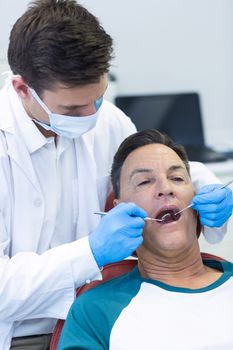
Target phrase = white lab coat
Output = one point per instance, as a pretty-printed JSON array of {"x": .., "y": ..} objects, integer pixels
[
  {"x": 39, "y": 286},
  {"x": 33, "y": 286}
]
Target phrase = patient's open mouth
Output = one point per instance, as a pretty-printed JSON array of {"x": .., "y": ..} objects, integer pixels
[{"x": 168, "y": 215}]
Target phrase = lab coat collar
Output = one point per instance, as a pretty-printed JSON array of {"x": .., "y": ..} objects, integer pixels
[
  {"x": 14, "y": 118},
  {"x": 17, "y": 149},
  {"x": 32, "y": 137}
]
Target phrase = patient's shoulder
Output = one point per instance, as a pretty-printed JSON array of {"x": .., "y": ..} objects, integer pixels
[
  {"x": 126, "y": 284},
  {"x": 99, "y": 308},
  {"x": 114, "y": 294}
]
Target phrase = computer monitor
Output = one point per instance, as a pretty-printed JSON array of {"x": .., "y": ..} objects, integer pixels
[{"x": 178, "y": 115}]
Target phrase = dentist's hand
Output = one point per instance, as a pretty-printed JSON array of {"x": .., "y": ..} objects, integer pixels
[
  {"x": 119, "y": 234},
  {"x": 214, "y": 205}
]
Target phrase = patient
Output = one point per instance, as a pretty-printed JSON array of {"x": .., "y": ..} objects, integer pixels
[{"x": 172, "y": 299}]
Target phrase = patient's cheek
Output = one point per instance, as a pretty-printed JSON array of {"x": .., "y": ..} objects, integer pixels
[{"x": 149, "y": 233}]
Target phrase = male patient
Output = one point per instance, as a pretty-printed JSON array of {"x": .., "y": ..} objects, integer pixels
[{"x": 172, "y": 299}]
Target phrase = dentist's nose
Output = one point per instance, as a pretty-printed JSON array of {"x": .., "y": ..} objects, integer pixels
[{"x": 89, "y": 110}]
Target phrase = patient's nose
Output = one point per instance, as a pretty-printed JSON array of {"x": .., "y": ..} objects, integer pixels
[{"x": 164, "y": 188}]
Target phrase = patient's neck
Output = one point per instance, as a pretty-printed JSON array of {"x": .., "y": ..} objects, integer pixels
[{"x": 185, "y": 269}]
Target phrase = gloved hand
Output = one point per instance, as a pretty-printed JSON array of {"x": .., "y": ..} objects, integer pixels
[
  {"x": 213, "y": 204},
  {"x": 119, "y": 234}
]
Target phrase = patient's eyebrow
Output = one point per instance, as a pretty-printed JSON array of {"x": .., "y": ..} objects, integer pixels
[
  {"x": 148, "y": 170},
  {"x": 140, "y": 170},
  {"x": 176, "y": 167}
]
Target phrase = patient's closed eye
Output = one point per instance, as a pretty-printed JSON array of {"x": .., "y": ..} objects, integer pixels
[
  {"x": 177, "y": 178},
  {"x": 144, "y": 183}
]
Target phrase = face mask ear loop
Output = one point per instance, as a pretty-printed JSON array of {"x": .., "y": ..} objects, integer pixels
[
  {"x": 38, "y": 99},
  {"x": 98, "y": 103}
]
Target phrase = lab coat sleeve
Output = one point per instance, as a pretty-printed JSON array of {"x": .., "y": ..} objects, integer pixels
[
  {"x": 202, "y": 176},
  {"x": 35, "y": 286}
]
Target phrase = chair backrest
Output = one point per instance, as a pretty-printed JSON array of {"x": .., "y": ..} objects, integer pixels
[{"x": 109, "y": 271}]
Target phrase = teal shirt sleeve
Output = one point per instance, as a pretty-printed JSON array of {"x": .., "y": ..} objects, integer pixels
[
  {"x": 93, "y": 314},
  {"x": 81, "y": 329}
]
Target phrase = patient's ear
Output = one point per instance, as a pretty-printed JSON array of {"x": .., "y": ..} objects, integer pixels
[{"x": 116, "y": 202}]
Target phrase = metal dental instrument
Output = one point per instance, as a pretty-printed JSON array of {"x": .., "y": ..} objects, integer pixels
[
  {"x": 180, "y": 211},
  {"x": 190, "y": 205},
  {"x": 102, "y": 213}
]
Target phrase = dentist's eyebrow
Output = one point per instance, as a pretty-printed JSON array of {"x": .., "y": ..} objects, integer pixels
[{"x": 140, "y": 170}]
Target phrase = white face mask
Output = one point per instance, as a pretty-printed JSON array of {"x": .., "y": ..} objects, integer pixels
[{"x": 64, "y": 125}]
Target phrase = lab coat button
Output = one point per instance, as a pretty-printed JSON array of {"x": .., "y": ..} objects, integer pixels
[{"x": 37, "y": 202}]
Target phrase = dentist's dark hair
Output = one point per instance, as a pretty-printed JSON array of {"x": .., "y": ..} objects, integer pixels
[
  {"x": 137, "y": 140},
  {"x": 58, "y": 41}
]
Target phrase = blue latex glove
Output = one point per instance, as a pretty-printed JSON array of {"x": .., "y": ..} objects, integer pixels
[
  {"x": 213, "y": 204},
  {"x": 119, "y": 234}
]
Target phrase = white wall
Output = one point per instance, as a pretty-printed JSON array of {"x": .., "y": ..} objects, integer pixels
[
  {"x": 176, "y": 45},
  {"x": 166, "y": 46},
  {"x": 10, "y": 11}
]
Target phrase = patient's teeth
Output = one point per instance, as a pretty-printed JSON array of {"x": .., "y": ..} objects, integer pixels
[{"x": 166, "y": 216}]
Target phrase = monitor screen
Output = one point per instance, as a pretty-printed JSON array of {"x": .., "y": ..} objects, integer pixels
[{"x": 177, "y": 115}]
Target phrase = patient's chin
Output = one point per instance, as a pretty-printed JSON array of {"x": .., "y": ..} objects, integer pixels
[{"x": 170, "y": 242}]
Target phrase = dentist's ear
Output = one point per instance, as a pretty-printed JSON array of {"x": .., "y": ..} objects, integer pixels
[{"x": 20, "y": 86}]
